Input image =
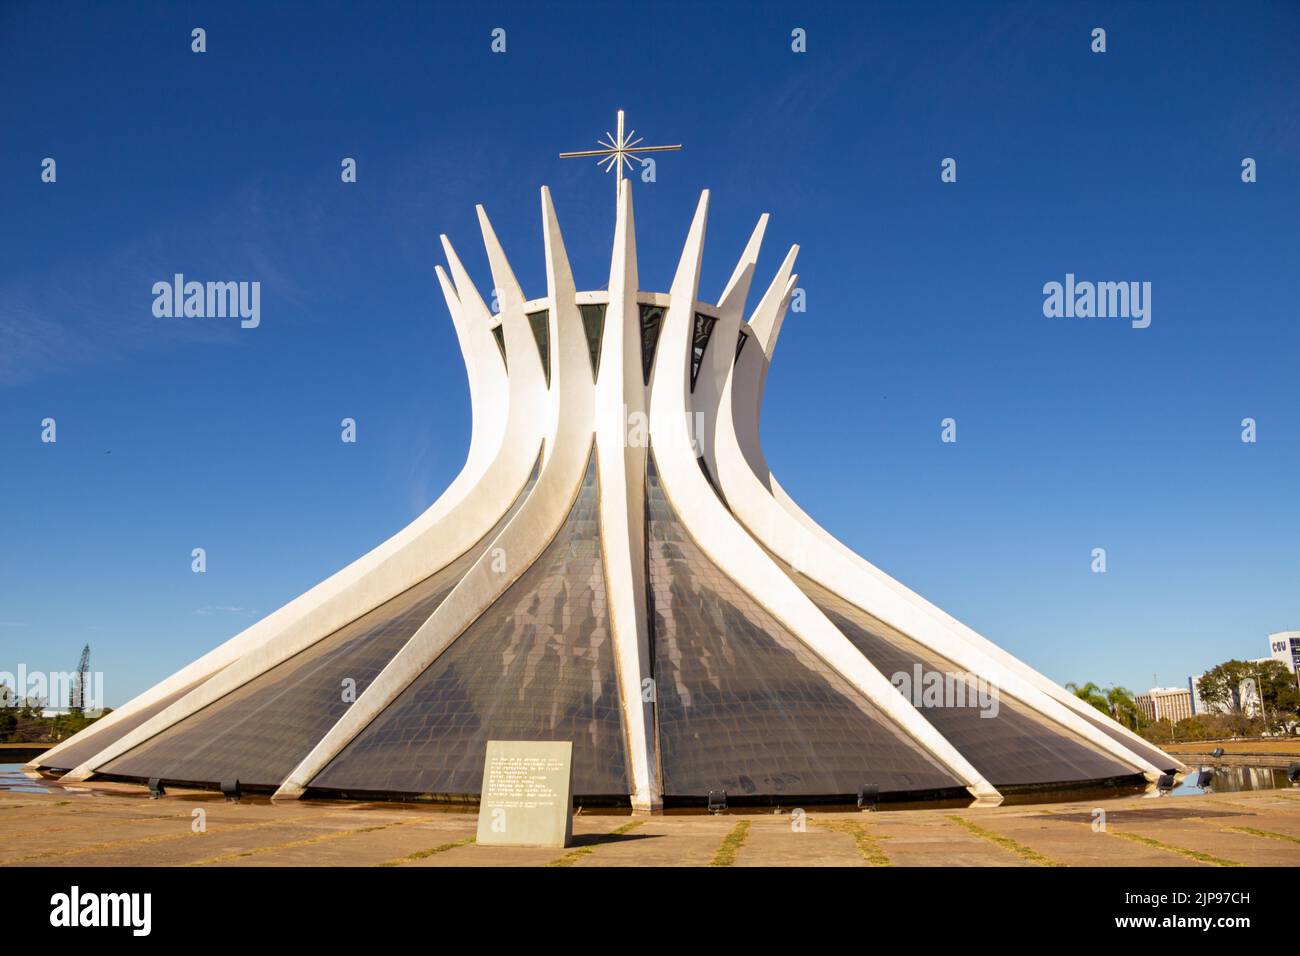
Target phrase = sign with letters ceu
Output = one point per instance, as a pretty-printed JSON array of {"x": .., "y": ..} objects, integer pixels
[{"x": 527, "y": 796}]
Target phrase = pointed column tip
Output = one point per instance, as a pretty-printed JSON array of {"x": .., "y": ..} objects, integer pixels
[
  {"x": 701, "y": 213},
  {"x": 742, "y": 275},
  {"x": 448, "y": 291},
  {"x": 506, "y": 286}
]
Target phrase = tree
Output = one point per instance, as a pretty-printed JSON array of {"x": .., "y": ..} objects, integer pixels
[
  {"x": 1220, "y": 686},
  {"x": 1090, "y": 693},
  {"x": 1115, "y": 702},
  {"x": 1123, "y": 708},
  {"x": 1270, "y": 680}
]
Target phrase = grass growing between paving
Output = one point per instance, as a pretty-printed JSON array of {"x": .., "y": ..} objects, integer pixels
[
  {"x": 731, "y": 845},
  {"x": 866, "y": 843},
  {"x": 1196, "y": 855},
  {"x": 183, "y": 832},
  {"x": 425, "y": 854},
  {"x": 1008, "y": 844},
  {"x": 1269, "y": 834},
  {"x": 294, "y": 844},
  {"x": 573, "y": 856}
]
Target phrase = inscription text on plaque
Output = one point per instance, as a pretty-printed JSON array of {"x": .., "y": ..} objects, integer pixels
[{"x": 527, "y": 797}]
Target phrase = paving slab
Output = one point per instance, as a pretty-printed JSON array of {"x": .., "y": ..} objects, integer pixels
[
  {"x": 1072, "y": 843},
  {"x": 1194, "y": 837},
  {"x": 588, "y": 830},
  {"x": 117, "y": 825},
  {"x": 927, "y": 838},
  {"x": 773, "y": 841},
  {"x": 663, "y": 841},
  {"x": 177, "y": 849}
]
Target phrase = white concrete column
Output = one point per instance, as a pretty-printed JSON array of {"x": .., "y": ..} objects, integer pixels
[
  {"x": 729, "y": 546},
  {"x": 449, "y": 528},
  {"x": 804, "y": 543},
  {"x": 621, "y": 415},
  {"x": 567, "y": 407},
  {"x": 808, "y": 554}
]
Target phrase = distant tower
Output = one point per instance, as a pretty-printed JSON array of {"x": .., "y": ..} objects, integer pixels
[{"x": 77, "y": 702}]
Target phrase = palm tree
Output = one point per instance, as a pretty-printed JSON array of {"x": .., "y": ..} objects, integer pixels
[
  {"x": 1092, "y": 694},
  {"x": 1115, "y": 702},
  {"x": 1123, "y": 708}
]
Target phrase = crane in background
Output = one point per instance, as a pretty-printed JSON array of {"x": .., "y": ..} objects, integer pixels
[{"x": 78, "y": 702}]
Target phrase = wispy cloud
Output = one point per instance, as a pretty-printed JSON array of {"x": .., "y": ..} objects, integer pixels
[{"x": 100, "y": 309}]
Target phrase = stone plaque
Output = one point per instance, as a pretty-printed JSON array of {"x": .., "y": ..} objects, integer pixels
[{"x": 527, "y": 795}]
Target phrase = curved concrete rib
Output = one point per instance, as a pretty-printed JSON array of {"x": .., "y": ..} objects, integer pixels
[
  {"x": 729, "y": 546},
  {"x": 619, "y": 413},
  {"x": 751, "y": 365},
  {"x": 803, "y": 543},
  {"x": 787, "y": 538},
  {"x": 489, "y": 389},
  {"x": 720, "y": 351},
  {"x": 452, "y": 526},
  {"x": 568, "y": 407},
  {"x": 489, "y": 400}
]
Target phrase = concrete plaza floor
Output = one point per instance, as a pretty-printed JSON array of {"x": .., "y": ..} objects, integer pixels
[{"x": 117, "y": 825}]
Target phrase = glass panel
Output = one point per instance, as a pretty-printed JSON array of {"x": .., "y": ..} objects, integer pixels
[
  {"x": 537, "y": 665},
  {"x": 77, "y": 754},
  {"x": 652, "y": 317},
  {"x": 1153, "y": 756},
  {"x": 260, "y": 731},
  {"x": 743, "y": 705},
  {"x": 699, "y": 342},
  {"x": 540, "y": 322},
  {"x": 741, "y": 339},
  {"x": 1013, "y": 745},
  {"x": 593, "y": 323},
  {"x": 708, "y": 476},
  {"x": 499, "y": 334}
]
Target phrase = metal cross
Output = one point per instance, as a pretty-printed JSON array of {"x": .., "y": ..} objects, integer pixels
[{"x": 619, "y": 149}]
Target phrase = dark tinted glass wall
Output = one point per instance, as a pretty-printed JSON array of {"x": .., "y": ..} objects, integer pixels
[
  {"x": 259, "y": 732},
  {"x": 78, "y": 753},
  {"x": 537, "y": 665},
  {"x": 1008, "y": 743},
  {"x": 743, "y": 705}
]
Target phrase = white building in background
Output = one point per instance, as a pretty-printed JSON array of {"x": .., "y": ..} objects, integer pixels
[
  {"x": 1199, "y": 704},
  {"x": 1245, "y": 698},
  {"x": 1284, "y": 646},
  {"x": 615, "y": 565},
  {"x": 1166, "y": 703}
]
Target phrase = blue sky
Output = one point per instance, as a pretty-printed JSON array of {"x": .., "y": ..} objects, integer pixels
[{"x": 924, "y": 298}]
